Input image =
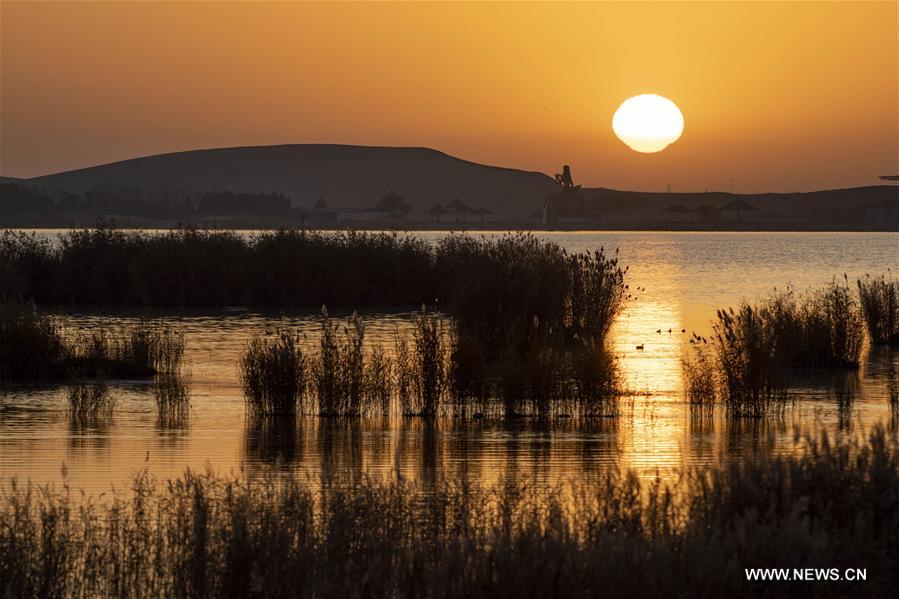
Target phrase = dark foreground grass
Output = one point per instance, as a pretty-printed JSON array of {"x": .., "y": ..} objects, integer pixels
[{"x": 834, "y": 505}]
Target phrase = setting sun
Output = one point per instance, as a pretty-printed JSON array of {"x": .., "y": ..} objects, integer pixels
[
  {"x": 293, "y": 291},
  {"x": 648, "y": 123}
]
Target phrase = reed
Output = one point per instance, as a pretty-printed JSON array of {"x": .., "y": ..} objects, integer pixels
[
  {"x": 571, "y": 295},
  {"x": 522, "y": 276},
  {"x": 140, "y": 350},
  {"x": 273, "y": 372},
  {"x": 90, "y": 399},
  {"x": 338, "y": 370},
  {"x": 595, "y": 378},
  {"x": 33, "y": 347},
  {"x": 425, "y": 368},
  {"x": 747, "y": 360},
  {"x": 207, "y": 267},
  {"x": 831, "y": 503},
  {"x": 879, "y": 298},
  {"x": 699, "y": 382},
  {"x": 751, "y": 379},
  {"x": 378, "y": 383},
  {"x": 833, "y": 330},
  {"x": 171, "y": 391},
  {"x": 31, "y": 344}
]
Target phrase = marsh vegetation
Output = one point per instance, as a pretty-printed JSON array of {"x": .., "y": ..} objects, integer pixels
[
  {"x": 424, "y": 373},
  {"x": 829, "y": 503},
  {"x": 753, "y": 351},
  {"x": 880, "y": 307}
]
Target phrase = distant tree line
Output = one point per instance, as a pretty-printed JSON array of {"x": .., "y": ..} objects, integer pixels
[
  {"x": 163, "y": 202},
  {"x": 229, "y": 202}
]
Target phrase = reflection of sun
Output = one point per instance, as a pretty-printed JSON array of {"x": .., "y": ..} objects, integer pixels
[{"x": 648, "y": 123}]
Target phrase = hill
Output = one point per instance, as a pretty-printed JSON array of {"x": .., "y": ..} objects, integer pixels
[{"x": 347, "y": 177}]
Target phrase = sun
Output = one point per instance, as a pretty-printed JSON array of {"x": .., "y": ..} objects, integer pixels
[{"x": 648, "y": 123}]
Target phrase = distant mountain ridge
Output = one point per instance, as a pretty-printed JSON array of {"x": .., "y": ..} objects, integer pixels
[{"x": 347, "y": 177}]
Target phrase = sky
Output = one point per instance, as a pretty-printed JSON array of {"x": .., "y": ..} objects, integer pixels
[{"x": 776, "y": 96}]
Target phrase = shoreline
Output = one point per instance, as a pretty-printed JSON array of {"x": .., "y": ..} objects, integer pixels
[{"x": 412, "y": 227}]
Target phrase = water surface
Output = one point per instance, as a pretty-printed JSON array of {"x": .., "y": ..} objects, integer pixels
[{"x": 684, "y": 277}]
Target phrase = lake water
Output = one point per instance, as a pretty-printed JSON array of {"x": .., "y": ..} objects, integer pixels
[{"x": 686, "y": 276}]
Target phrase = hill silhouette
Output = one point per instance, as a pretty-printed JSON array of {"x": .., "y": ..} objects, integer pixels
[
  {"x": 347, "y": 177},
  {"x": 320, "y": 184}
]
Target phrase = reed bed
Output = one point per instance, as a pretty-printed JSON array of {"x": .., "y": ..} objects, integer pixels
[
  {"x": 425, "y": 375},
  {"x": 273, "y": 372},
  {"x": 89, "y": 400},
  {"x": 747, "y": 361},
  {"x": 31, "y": 344},
  {"x": 496, "y": 288},
  {"x": 831, "y": 504},
  {"x": 879, "y": 298},
  {"x": 339, "y": 370},
  {"x": 34, "y": 347},
  {"x": 136, "y": 351},
  {"x": 171, "y": 391},
  {"x": 522, "y": 276},
  {"x": 424, "y": 366},
  {"x": 204, "y": 267}
]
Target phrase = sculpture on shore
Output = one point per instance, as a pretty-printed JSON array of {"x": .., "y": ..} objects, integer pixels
[{"x": 569, "y": 199}]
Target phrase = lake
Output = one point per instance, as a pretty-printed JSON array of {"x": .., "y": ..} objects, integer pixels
[{"x": 681, "y": 277}]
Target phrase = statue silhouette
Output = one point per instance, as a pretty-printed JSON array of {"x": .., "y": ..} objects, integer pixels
[
  {"x": 568, "y": 195},
  {"x": 565, "y": 178}
]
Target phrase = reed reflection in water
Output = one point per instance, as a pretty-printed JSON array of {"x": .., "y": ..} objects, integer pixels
[{"x": 685, "y": 277}]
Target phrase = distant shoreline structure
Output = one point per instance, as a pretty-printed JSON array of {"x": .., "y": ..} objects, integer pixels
[{"x": 331, "y": 186}]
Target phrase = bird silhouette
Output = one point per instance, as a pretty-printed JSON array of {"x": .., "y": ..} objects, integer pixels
[{"x": 640, "y": 347}]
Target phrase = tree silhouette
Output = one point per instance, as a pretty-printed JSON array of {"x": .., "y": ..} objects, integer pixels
[{"x": 393, "y": 203}]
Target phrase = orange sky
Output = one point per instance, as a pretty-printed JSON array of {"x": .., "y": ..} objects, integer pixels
[{"x": 778, "y": 96}]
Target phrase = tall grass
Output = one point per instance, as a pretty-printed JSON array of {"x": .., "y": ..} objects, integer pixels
[
  {"x": 34, "y": 347},
  {"x": 132, "y": 352},
  {"x": 171, "y": 391},
  {"x": 424, "y": 375},
  {"x": 338, "y": 371},
  {"x": 495, "y": 288},
  {"x": 200, "y": 267},
  {"x": 829, "y": 504},
  {"x": 273, "y": 372},
  {"x": 522, "y": 276},
  {"x": 748, "y": 359},
  {"x": 879, "y": 298},
  {"x": 31, "y": 344},
  {"x": 90, "y": 400},
  {"x": 425, "y": 368},
  {"x": 378, "y": 383}
]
